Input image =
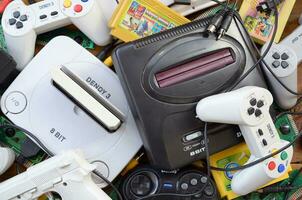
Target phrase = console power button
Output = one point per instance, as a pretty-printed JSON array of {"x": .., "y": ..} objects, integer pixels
[{"x": 15, "y": 102}]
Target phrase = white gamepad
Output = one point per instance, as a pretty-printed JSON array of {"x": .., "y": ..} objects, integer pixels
[
  {"x": 248, "y": 107},
  {"x": 283, "y": 60},
  {"x": 22, "y": 23},
  {"x": 7, "y": 157}
]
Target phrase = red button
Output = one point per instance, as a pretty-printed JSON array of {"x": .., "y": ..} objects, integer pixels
[
  {"x": 271, "y": 165},
  {"x": 78, "y": 8}
]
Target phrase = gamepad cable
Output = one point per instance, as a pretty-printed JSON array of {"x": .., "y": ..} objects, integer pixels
[{"x": 44, "y": 148}]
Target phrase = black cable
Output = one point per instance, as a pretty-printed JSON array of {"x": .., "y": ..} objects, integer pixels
[{"x": 44, "y": 148}]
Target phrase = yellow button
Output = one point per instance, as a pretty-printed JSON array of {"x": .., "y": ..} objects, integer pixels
[{"x": 67, "y": 3}]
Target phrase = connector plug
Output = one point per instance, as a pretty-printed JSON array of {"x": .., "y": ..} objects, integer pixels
[
  {"x": 216, "y": 21},
  {"x": 225, "y": 25}
]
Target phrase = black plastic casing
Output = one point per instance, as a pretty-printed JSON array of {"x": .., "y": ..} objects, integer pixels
[
  {"x": 165, "y": 116},
  {"x": 8, "y": 70}
]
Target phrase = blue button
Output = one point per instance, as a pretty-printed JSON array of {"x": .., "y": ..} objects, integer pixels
[
  {"x": 167, "y": 185},
  {"x": 281, "y": 168},
  {"x": 84, "y": 0}
]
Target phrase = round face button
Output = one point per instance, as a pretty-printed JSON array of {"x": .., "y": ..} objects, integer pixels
[
  {"x": 271, "y": 165},
  {"x": 67, "y": 3},
  {"x": 284, "y": 155},
  {"x": 15, "y": 102},
  {"x": 184, "y": 186},
  {"x": 78, "y": 8},
  {"x": 194, "y": 181},
  {"x": 281, "y": 168}
]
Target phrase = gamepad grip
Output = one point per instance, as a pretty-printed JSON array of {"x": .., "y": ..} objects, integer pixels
[{"x": 248, "y": 107}]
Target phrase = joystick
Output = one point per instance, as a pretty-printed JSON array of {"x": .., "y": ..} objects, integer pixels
[
  {"x": 145, "y": 181},
  {"x": 283, "y": 59},
  {"x": 248, "y": 107},
  {"x": 7, "y": 157},
  {"x": 22, "y": 23}
]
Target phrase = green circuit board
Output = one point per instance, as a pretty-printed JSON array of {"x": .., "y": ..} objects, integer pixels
[
  {"x": 2, "y": 40},
  {"x": 15, "y": 140},
  {"x": 287, "y": 121}
]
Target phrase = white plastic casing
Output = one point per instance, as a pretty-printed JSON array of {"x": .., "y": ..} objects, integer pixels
[
  {"x": 291, "y": 46},
  {"x": 7, "y": 158},
  {"x": 48, "y": 15},
  {"x": 248, "y": 107},
  {"x": 33, "y": 103}
]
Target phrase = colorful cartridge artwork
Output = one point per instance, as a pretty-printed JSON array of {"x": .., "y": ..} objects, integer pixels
[{"x": 144, "y": 21}]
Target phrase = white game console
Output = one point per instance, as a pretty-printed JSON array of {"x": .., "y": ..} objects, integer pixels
[
  {"x": 283, "y": 59},
  {"x": 22, "y": 23},
  {"x": 249, "y": 108},
  {"x": 89, "y": 111},
  {"x": 7, "y": 158}
]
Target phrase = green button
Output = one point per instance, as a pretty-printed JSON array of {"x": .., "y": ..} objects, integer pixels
[{"x": 283, "y": 155}]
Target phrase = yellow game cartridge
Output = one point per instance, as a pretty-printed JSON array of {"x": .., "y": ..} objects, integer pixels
[{"x": 134, "y": 19}]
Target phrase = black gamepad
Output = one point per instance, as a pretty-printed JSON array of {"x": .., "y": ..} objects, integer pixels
[{"x": 145, "y": 181}]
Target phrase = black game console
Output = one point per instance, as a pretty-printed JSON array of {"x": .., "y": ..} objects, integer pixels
[
  {"x": 165, "y": 75},
  {"x": 8, "y": 70},
  {"x": 145, "y": 181}
]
